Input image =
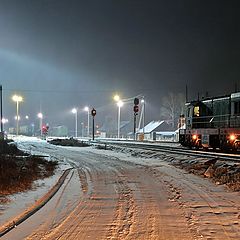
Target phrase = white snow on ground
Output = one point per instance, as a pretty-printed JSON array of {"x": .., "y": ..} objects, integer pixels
[
  {"x": 210, "y": 211},
  {"x": 21, "y": 201}
]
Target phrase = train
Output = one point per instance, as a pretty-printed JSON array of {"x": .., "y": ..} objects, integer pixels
[{"x": 212, "y": 123}]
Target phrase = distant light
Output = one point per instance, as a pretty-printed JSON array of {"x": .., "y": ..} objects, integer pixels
[
  {"x": 4, "y": 120},
  {"x": 86, "y": 109},
  {"x": 120, "y": 103},
  {"x": 17, "y": 98},
  {"x": 17, "y": 118},
  {"x": 74, "y": 110},
  {"x": 27, "y": 117},
  {"x": 142, "y": 101},
  {"x": 40, "y": 115},
  {"x": 116, "y": 98}
]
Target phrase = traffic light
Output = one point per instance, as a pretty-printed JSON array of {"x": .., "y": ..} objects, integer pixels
[
  {"x": 136, "y": 101},
  {"x": 45, "y": 129},
  {"x": 135, "y": 108},
  {"x": 93, "y": 112}
]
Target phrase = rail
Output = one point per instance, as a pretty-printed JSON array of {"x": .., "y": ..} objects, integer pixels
[{"x": 173, "y": 150}]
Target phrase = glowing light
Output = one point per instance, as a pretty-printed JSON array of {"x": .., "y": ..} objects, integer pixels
[
  {"x": 17, "y": 118},
  {"x": 4, "y": 120},
  {"x": 116, "y": 98},
  {"x": 232, "y": 137},
  {"x": 86, "y": 109},
  {"x": 120, "y": 103},
  {"x": 74, "y": 110},
  {"x": 27, "y": 117},
  {"x": 17, "y": 98},
  {"x": 194, "y": 137},
  {"x": 40, "y": 115}
]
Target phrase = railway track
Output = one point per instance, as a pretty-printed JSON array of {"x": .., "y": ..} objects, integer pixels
[{"x": 173, "y": 150}]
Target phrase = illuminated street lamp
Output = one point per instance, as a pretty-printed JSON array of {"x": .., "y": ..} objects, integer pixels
[
  {"x": 74, "y": 111},
  {"x": 119, "y": 104},
  {"x": 40, "y": 116},
  {"x": 116, "y": 98},
  {"x": 88, "y": 112},
  {"x": 17, "y": 99},
  {"x": 17, "y": 118},
  {"x": 4, "y": 121}
]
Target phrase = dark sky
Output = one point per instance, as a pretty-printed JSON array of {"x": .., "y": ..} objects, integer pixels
[{"x": 59, "y": 54}]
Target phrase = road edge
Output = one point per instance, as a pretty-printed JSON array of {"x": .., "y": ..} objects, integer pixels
[{"x": 35, "y": 207}]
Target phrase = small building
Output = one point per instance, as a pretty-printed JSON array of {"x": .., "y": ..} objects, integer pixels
[{"x": 157, "y": 130}]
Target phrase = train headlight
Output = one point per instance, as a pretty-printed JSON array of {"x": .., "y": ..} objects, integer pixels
[
  {"x": 194, "y": 137},
  {"x": 232, "y": 137}
]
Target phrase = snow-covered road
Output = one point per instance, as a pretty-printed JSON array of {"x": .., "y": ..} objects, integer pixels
[{"x": 111, "y": 195}]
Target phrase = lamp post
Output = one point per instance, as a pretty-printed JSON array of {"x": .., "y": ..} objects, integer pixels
[
  {"x": 119, "y": 104},
  {"x": 143, "y": 109},
  {"x": 82, "y": 125},
  {"x": 40, "y": 116},
  {"x": 87, "y": 110},
  {"x": 74, "y": 111},
  {"x": 17, "y": 99}
]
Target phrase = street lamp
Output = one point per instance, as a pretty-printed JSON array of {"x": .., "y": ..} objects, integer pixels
[
  {"x": 87, "y": 110},
  {"x": 74, "y": 111},
  {"x": 4, "y": 121},
  {"x": 40, "y": 116},
  {"x": 17, "y": 99},
  {"x": 119, "y": 104},
  {"x": 116, "y": 98}
]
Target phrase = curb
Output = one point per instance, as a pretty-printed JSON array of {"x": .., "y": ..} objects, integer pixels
[{"x": 38, "y": 205}]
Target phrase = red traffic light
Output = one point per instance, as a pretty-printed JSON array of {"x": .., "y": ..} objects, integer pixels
[
  {"x": 93, "y": 112},
  {"x": 45, "y": 129},
  {"x": 135, "y": 108}
]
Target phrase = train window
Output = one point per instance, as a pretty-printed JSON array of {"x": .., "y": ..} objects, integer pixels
[
  {"x": 237, "y": 107},
  {"x": 196, "y": 112}
]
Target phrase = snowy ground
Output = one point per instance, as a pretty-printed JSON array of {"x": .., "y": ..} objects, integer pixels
[{"x": 112, "y": 195}]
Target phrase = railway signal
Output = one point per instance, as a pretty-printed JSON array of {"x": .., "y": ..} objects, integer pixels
[
  {"x": 136, "y": 101},
  {"x": 135, "y": 110},
  {"x": 93, "y": 112}
]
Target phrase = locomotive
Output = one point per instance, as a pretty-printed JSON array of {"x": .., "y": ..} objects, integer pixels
[{"x": 212, "y": 123}]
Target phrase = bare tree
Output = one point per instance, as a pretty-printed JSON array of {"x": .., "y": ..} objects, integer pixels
[{"x": 172, "y": 106}]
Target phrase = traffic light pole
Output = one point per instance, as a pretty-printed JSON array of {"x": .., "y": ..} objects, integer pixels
[
  {"x": 93, "y": 113},
  {"x": 135, "y": 110},
  {"x": 93, "y": 128},
  {"x": 134, "y": 125}
]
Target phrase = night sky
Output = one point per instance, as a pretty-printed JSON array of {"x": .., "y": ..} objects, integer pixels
[{"x": 60, "y": 54}]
